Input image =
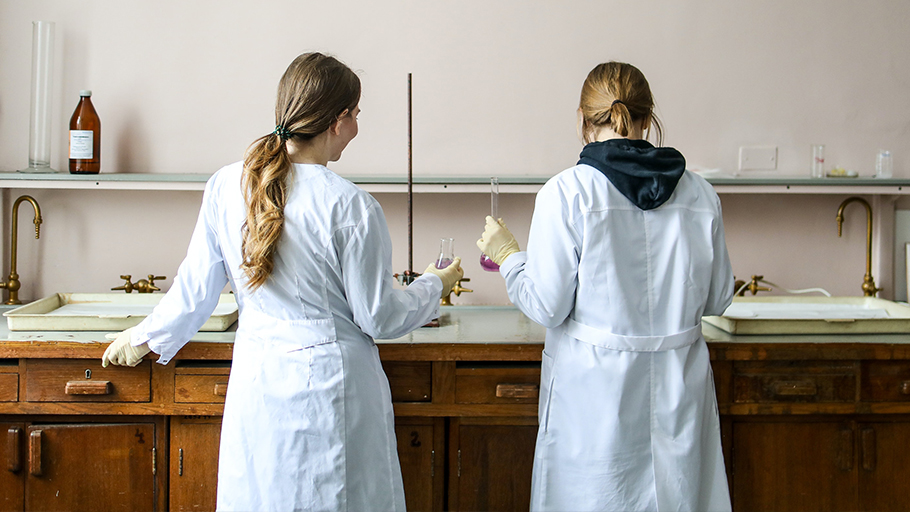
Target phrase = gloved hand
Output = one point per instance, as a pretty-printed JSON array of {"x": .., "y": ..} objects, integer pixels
[
  {"x": 497, "y": 241},
  {"x": 121, "y": 352},
  {"x": 449, "y": 275}
]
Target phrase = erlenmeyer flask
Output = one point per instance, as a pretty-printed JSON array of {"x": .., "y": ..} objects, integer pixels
[
  {"x": 485, "y": 262},
  {"x": 446, "y": 252}
]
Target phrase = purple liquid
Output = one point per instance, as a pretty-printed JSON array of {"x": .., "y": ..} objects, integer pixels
[
  {"x": 443, "y": 263},
  {"x": 487, "y": 264}
]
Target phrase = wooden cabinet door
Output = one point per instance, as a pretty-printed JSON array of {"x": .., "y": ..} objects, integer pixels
[
  {"x": 90, "y": 467},
  {"x": 194, "y": 462},
  {"x": 884, "y": 466},
  {"x": 421, "y": 445},
  {"x": 12, "y": 474},
  {"x": 490, "y": 463},
  {"x": 794, "y": 466}
]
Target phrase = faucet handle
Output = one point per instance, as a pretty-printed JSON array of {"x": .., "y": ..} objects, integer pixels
[
  {"x": 458, "y": 289},
  {"x": 127, "y": 286},
  {"x": 148, "y": 285}
]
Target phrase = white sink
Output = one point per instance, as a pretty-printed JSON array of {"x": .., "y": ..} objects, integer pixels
[{"x": 813, "y": 315}]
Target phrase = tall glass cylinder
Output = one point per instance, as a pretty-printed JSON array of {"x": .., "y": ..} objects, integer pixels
[
  {"x": 39, "y": 136},
  {"x": 485, "y": 262}
]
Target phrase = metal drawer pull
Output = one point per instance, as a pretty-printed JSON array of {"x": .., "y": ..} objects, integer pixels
[
  {"x": 795, "y": 388},
  {"x": 34, "y": 453},
  {"x": 12, "y": 449},
  {"x": 905, "y": 387},
  {"x": 220, "y": 389},
  {"x": 517, "y": 391},
  {"x": 95, "y": 387}
]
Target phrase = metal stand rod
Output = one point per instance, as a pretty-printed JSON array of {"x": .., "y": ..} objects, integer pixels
[{"x": 410, "y": 185}]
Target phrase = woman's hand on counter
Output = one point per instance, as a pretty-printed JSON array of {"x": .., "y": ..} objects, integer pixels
[{"x": 121, "y": 352}]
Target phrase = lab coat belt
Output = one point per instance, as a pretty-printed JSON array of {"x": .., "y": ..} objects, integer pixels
[
  {"x": 606, "y": 339},
  {"x": 301, "y": 333}
]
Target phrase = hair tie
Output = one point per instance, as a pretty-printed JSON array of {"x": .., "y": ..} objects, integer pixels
[
  {"x": 282, "y": 132},
  {"x": 615, "y": 102}
]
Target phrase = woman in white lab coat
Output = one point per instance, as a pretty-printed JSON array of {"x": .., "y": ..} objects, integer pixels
[
  {"x": 308, "y": 422},
  {"x": 625, "y": 254}
]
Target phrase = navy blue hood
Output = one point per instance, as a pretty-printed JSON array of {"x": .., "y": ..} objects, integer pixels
[{"x": 646, "y": 175}]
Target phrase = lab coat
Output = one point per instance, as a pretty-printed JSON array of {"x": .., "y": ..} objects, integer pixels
[
  {"x": 308, "y": 421},
  {"x": 628, "y": 413}
]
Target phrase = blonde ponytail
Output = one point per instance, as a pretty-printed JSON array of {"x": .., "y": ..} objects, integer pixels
[
  {"x": 312, "y": 93},
  {"x": 617, "y": 95}
]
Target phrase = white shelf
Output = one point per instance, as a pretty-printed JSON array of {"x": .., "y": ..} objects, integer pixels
[{"x": 469, "y": 185}]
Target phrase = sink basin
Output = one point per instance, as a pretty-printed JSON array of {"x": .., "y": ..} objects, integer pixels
[
  {"x": 813, "y": 315},
  {"x": 103, "y": 312}
]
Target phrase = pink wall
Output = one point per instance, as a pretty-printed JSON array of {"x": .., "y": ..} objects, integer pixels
[{"x": 183, "y": 87}]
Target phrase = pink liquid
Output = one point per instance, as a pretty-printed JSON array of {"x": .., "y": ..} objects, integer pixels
[
  {"x": 443, "y": 263},
  {"x": 487, "y": 264}
]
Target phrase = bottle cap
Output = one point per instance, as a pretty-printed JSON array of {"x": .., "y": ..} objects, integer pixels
[{"x": 85, "y": 92}]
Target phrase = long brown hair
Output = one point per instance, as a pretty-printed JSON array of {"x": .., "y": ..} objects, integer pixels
[
  {"x": 313, "y": 92},
  {"x": 616, "y": 94}
]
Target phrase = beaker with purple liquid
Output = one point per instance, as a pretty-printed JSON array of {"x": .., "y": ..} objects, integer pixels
[
  {"x": 446, "y": 253},
  {"x": 485, "y": 262}
]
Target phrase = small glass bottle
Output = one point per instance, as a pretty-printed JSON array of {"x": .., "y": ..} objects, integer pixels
[
  {"x": 85, "y": 137},
  {"x": 446, "y": 253},
  {"x": 485, "y": 262}
]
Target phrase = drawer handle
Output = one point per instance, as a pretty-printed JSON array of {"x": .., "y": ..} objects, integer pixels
[
  {"x": 795, "y": 388},
  {"x": 220, "y": 389},
  {"x": 517, "y": 391},
  {"x": 12, "y": 449},
  {"x": 34, "y": 453},
  {"x": 86, "y": 387},
  {"x": 905, "y": 387}
]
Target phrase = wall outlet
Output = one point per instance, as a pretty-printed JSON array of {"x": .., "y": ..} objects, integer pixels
[{"x": 757, "y": 158}]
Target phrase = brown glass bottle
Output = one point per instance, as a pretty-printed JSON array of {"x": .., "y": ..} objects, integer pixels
[{"x": 85, "y": 137}]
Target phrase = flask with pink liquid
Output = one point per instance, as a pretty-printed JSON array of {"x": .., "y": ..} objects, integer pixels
[
  {"x": 446, "y": 253},
  {"x": 485, "y": 262}
]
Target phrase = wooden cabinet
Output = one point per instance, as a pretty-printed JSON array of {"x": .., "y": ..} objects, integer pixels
[
  {"x": 421, "y": 451},
  {"x": 490, "y": 463},
  {"x": 793, "y": 466},
  {"x": 77, "y": 466},
  {"x": 12, "y": 474},
  {"x": 193, "y": 472}
]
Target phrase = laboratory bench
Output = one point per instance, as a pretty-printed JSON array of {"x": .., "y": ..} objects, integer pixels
[{"x": 808, "y": 422}]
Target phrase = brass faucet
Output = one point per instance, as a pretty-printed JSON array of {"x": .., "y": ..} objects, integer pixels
[
  {"x": 13, "y": 284},
  {"x": 740, "y": 286},
  {"x": 141, "y": 286},
  {"x": 869, "y": 289},
  {"x": 457, "y": 290}
]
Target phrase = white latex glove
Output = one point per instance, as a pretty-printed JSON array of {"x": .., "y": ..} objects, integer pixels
[
  {"x": 121, "y": 352},
  {"x": 497, "y": 241},
  {"x": 449, "y": 275}
]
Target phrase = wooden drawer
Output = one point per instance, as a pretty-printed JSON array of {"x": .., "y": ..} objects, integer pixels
[
  {"x": 885, "y": 381},
  {"x": 207, "y": 389},
  {"x": 9, "y": 387},
  {"x": 794, "y": 381},
  {"x": 201, "y": 383},
  {"x": 84, "y": 380},
  {"x": 483, "y": 384},
  {"x": 409, "y": 381}
]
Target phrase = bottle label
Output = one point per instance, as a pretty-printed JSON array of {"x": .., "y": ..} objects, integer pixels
[{"x": 82, "y": 144}]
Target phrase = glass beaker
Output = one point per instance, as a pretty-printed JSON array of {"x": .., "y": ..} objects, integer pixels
[
  {"x": 446, "y": 252},
  {"x": 817, "y": 170},
  {"x": 883, "y": 164},
  {"x": 485, "y": 262}
]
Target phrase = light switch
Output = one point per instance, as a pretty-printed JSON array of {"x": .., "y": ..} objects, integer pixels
[{"x": 757, "y": 158}]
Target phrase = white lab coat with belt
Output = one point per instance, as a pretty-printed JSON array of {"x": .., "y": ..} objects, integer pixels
[
  {"x": 308, "y": 421},
  {"x": 628, "y": 413}
]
